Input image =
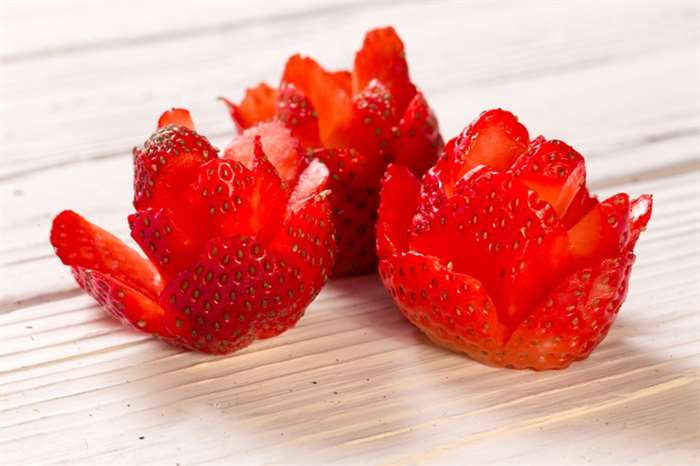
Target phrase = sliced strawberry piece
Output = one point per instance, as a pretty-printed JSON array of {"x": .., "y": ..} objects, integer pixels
[
  {"x": 417, "y": 141},
  {"x": 452, "y": 309},
  {"x": 282, "y": 148},
  {"x": 508, "y": 239},
  {"x": 239, "y": 201},
  {"x": 572, "y": 320},
  {"x": 382, "y": 57},
  {"x": 166, "y": 165},
  {"x": 296, "y": 111},
  {"x": 79, "y": 243},
  {"x": 399, "y": 200},
  {"x": 494, "y": 139},
  {"x": 328, "y": 94},
  {"x": 554, "y": 170},
  {"x": 126, "y": 304},
  {"x": 602, "y": 232},
  {"x": 582, "y": 203},
  {"x": 354, "y": 184},
  {"x": 640, "y": 214},
  {"x": 169, "y": 245},
  {"x": 306, "y": 243},
  {"x": 373, "y": 119},
  {"x": 311, "y": 182},
  {"x": 176, "y": 117},
  {"x": 257, "y": 106},
  {"x": 220, "y": 303},
  {"x": 432, "y": 198}
]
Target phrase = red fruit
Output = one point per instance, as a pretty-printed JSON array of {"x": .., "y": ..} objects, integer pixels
[
  {"x": 123, "y": 302},
  {"x": 580, "y": 206},
  {"x": 169, "y": 245},
  {"x": 417, "y": 139},
  {"x": 373, "y": 118},
  {"x": 257, "y": 106},
  {"x": 507, "y": 238},
  {"x": 354, "y": 184},
  {"x": 296, "y": 111},
  {"x": 399, "y": 200},
  {"x": 167, "y": 162},
  {"x": 554, "y": 170},
  {"x": 382, "y": 57},
  {"x": 240, "y": 251},
  {"x": 79, "y": 243},
  {"x": 488, "y": 230},
  {"x": 176, "y": 117},
  {"x": 365, "y": 118},
  {"x": 281, "y": 147},
  {"x": 327, "y": 93},
  {"x": 494, "y": 139}
]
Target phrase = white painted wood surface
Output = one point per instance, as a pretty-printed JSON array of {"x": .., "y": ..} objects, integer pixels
[{"x": 83, "y": 81}]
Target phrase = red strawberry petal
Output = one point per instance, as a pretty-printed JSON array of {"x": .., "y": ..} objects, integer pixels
[
  {"x": 222, "y": 195},
  {"x": 573, "y": 319},
  {"x": 79, "y": 243},
  {"x": 170, "y": 245},
  {"x": 281, "y": 147},
  {"x": 326, "y": 91},
  {"x": 296, "y": 111},
  {"x": 580, "y": 206},
  {"x": 603, "y": 232},
  {"x": 257, "y": 106},
  {"x": 399, "y": 199},
  {"x": 123, "y": 302},
  {"x": 494, "y": 139},
  {"x": 417, "y": 140},
  {"x": 373, "y": 118},
  {"x": 382, "y": 57},
  {"x": 166, "y": 165},
  {"x": 354, "y": 183},
  {"x": 306, "y": 242},
  {"x": 451, "y": 308},
  {"x": 311, "y": 182},
  {"x": 640, "y": 214},
  {"x": 554, "y": 170},
  {"x": 176, "y": 117}
]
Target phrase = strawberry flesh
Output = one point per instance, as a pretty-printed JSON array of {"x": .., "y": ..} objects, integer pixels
[
  {"x": 382, "y": 58},
  {"x": 417, "y": 139},
  {"x": 166, "y": 165},
  {"x": 354, "y": 184},
  {"x": 399, "y": 201},
  {"x": 258, "y": 105},
  {"x": 170, "y": 245},
  {"x": 125, "y": 303},
  {"x": 554, "y": 170},
  {"x": 297, "y": 112},
  {"x": 282, "y": 149},
  {"x": 79, "y": 243},
  {"x": 507, "y": 238}
]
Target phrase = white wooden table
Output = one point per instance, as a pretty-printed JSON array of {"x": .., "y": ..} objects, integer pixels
[{"x": 84, "y": 81}]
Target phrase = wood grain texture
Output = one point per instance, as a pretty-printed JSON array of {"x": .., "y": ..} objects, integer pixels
[{"x": 83, "y": 81}]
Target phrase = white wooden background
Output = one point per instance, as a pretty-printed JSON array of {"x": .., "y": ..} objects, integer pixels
[{"x": 83, "y": 81}]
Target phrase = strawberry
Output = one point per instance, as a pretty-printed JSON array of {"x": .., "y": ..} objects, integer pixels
[
  {"x": 365, "y": 118},
  {"x": 354, "y": 185},
  {"x": 166, "y": 163},
  {"x": 500, "y": 252},
  {"x": 238, "y": 246},
  {"x": 257, "y": 105},
  {"x": 295, "y": 110}
]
